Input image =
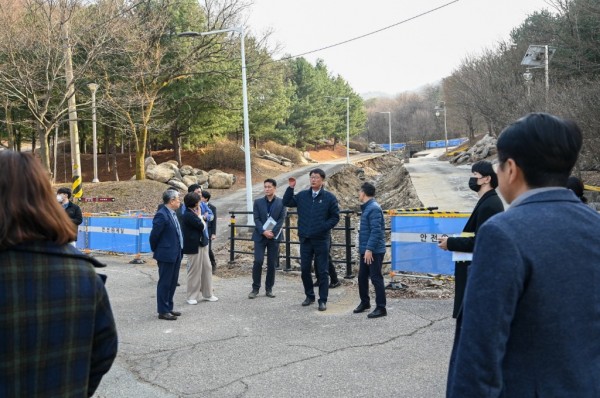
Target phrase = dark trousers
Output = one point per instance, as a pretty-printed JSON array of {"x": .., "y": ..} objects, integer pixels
[
  {"x": 319, "y": 250},
  {"x": 331, "y": 269},
  {"x": 272, "y": 247},
  {"x": 372, "y": 271},
  {"x": 168, "y": 275},
  {"x": 460, "y": 284},
  {"x": 211, "y": 255}
]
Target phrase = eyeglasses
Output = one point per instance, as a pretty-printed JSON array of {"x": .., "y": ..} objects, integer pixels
[{"x": 315, "y": 177}]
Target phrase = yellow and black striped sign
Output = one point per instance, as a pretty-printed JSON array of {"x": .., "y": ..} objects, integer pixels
[
  {"x": 591, "y": 188},
  {"x": 77, "y": 187}
]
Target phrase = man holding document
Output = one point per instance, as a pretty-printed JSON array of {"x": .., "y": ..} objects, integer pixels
[{"x": 269, "y": 214}]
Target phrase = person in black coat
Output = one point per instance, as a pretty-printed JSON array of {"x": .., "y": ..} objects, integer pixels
[
  {"x": 212, "y": 229},
  {"x": 63, "y": 195},
  {"x": 318, "y": 214},
  {"x": 484, "y": 181}
]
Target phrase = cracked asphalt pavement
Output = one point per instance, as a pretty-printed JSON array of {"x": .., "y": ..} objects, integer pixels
[{"x": 237, "y": 347}]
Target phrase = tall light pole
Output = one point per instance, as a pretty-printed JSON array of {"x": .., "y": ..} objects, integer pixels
[
  {"x": 248, "y": 164},
  {"x": 438, "y": 109},
  {"x": 389, "y": 128},
  {"x": 347, "y": 125},
  {"x": 93, "y": 87}
]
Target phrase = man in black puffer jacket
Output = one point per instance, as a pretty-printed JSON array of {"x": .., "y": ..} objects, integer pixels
[{"x": 318, "y": 213}]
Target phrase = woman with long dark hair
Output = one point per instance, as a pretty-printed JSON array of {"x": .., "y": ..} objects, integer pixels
[{"x": 57, "y": 332}]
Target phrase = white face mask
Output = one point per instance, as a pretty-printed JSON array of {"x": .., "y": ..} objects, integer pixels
[{"x": 59, "y": 197}]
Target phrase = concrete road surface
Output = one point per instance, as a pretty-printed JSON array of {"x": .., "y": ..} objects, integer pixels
[
  {"x": 265, "y": 347},
  {"x": 438, "y": 183}
]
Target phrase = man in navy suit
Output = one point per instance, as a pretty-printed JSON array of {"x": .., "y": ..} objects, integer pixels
[
  {"x": 530, "y": 321},
  {"x": 166, "y": 241},
  {"x": 271, "y": 208}
]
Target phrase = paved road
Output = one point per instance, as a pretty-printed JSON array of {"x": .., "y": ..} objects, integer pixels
[
  {"x": 441, "y": 184},
  {"x": 273, "y": 347}
]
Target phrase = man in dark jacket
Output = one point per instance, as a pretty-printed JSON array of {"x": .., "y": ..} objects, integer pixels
[
  {"x": 269, "y": 214},
  {"x": 371, "y": 247},
  {"x": 166, "y": 241},
  {"x": 530, "y": 318},
  {"x": 63, "y": 195},
  {"x": 318, "y": 213}
]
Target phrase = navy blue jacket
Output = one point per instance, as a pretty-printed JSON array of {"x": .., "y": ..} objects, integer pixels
[
  {"x": 261, "y": 214},
  {"x": 316, "y": 218},
  {"x": 164, "y": 239},
  {"x": 531, "y": 315},
  {"x": 192, "y": 229},
  {"x": 371, "y": 235}
]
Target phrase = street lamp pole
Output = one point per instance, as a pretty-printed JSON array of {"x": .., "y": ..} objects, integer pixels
[
  {"x": 347, "y": 99},
  {"x": 442, "y": 107},
  {"x": 93, "y": 87},
  {"x": 247, "y": 161},
  {"x": 389, "y": 128}
]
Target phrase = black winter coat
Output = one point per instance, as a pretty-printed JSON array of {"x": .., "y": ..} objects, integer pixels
[
  {"x": 316, "y": 217},
  {"x": 192, "y": 229}
]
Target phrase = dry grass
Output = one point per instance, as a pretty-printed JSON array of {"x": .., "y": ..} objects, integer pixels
[
  {"x": 281, "y": 150},
  {"x": 222, "y": 155}
]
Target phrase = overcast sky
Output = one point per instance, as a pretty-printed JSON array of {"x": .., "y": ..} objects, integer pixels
[{"x": 402, "y": 58}]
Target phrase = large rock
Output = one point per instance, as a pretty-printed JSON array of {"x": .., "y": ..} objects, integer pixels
[
  {"x": 186, "y": 170},
  {"x": 171, "y": 164},
  {"x": 177, "y": 184},
  {"x": 149, "y": 163},
  {"x": 161, "y": 173},
  {"x": 189, "y": 180},
  {"x": 214, "y": 171},
  {"x": 220, "y": 180}
]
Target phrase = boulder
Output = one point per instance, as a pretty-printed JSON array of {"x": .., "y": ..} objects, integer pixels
[
  {"x": 220, "y": 180},
  {"x": 149, "y": 163},
  {"x": 286, "y": 164},
  {"x": 189, "y": 180},
  {"x": 177, "y": 184},
  {"x": 186, "y": 170},
  {"x": 173, "y": 162},
  {"x": 202, "y": 178},
  {"x": 161, "y": 173},
  {"x": 214, "y": 171}
]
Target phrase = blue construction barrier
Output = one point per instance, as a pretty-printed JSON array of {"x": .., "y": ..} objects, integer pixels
[
  {"x": 414, "y": 241},
  {"x": 442, "y": 144},
  {"x": 115, "y": 234},
  {"x": 395, "y": 146}
]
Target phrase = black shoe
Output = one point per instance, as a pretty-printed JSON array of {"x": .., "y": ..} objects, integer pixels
[
  {"x": 253, "y": 294},
  {"x": 322, "y": 306},
  {"x": 175, "y": 313},
  {"x": 335, "y": 284},
  {"x": 269, "y": 294},
  {"x": 167, "y": 317},
  {"x": 362, "y": 308},
  {"x": 308, "y": 301},
  {"x": 377, "y": 312}
]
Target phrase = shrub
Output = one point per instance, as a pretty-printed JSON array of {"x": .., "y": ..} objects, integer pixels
[
  {"x": 359, "y": 146},
  {"x": 222, "y": 155}
]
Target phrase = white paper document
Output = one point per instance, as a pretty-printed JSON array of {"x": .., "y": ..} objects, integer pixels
[{"x": 269, "y": 224}]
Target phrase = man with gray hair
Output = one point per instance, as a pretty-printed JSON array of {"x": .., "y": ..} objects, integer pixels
[{"x": 166, "y": 241}]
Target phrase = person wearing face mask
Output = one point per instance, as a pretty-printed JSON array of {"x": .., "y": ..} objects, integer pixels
[
  {"x": 63, "y": 195},
  {"x": 483, "y": 181}
]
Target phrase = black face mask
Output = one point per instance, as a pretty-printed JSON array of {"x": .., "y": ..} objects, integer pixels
[{"x": 473, "y": 184}]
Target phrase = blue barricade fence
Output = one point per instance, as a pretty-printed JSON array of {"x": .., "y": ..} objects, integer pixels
[
  {"x": 442, "y": 143},
  {"x": 115, "y": 234},
  {"x": 414, "y": 241},
  {"x": 395, "y": 146}
]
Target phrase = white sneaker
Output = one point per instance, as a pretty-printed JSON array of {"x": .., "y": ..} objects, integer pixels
[
  {"x": 192, "y": 302},
  {"x": 211, "y": 298}
]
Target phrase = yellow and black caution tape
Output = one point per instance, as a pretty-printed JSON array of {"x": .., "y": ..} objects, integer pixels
[{"x": 408, "y": 209}]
